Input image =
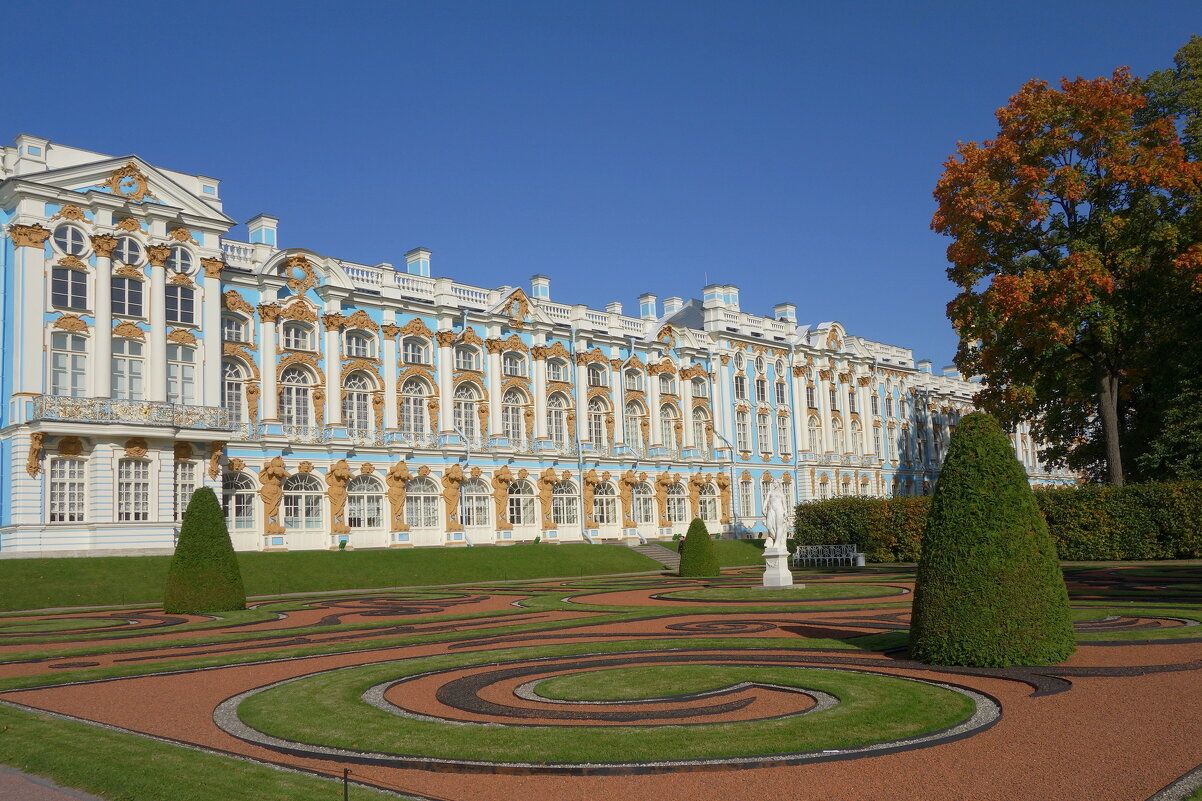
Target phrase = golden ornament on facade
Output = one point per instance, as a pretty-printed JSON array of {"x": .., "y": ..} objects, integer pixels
[
  {"x": 271, "y": 492},
  {"x": 306, "y": 359},
  {"x": 432, "y": 411},
  {"x": 446, "y": 338},
  {"x": 72, "y": 262},
  {"x": 594, "y": 356},
  {"x": 28, "y": 236},
  {"x": 300, "y": 311},
  {"x": 128, "y": 330},
  {"x": 181, "y": 234},
  {"x": 232, "y": 300},
  {"x": 212, "y": 267},
  {"x": 452, "y": 481},
  {"x": 517, "y": 307},
  {"x": 236, "y": 349},
  {"x": 319, "y": 406},
  {"x": 181, "y": 336},
  {"x": 470, "y": 337},
  {"x": 554, "y": 350},
  {"x": 336, "y": 479},
  {"x": 268, "y": 312},
  {"x": 70, "y": 446},
  {"x": 252, "y": 401},
  {"x": 397, "y": 478},
  {"x": 546, "y": 489},
  {"x": 182, "y": 279},
  {"x": 157, "y": 255},
  {"x": 725, "y": 357},
  {"x": 501, "y": 479},
  {"x": 390, "y": 331},
  {"x": 301, "y": 274},
  {"x": 237, "y": 465},
  {"x": 71, "y": 322},
  {"x": 70, "y": 212},
  {"x": 104, "y": 245},
  {"x": 129, "y": 271},
  {"x": 129, "y": 224},
  {"x": 333, "y": 321},
  {"x": 136, "y": 448},
  {"x": 215, "y": 451},
  {"x": 130, "y": 182},
  {"x": 33, "y": 463},
  {"x": 367, "y": 468},
  {"x": 366, "y": 365},
  {"x": 416, "y": 328}
]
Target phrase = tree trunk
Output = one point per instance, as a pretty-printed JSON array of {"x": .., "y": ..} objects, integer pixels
[{"x": 1108, "y": 408}]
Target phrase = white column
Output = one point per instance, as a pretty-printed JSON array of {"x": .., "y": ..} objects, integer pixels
[
  {"x": 654, "y": 433},
  {"x": 156, "y": 338},
  {"x": 725, "y": 408},
  {"x": 270, "y": 394},
  {"x": 389, "y": 373},
  {"x": 445, "y": 365},
  {"x": 333, "y": 359},
  {"x": 685, "y": 387},
  {"x": 579, "y": 379},
  {"x": 864, "y": 401},
  {"x": 540, "y": 399},
  {"x": 492, "y": 380},
  {"x": 211, "y": 344},
  {"x": 102, "y": 306},
  {"x": 822, "y": 391},
  {"x": 28, "y": 303},
  {"x": 615, "y": 394}
]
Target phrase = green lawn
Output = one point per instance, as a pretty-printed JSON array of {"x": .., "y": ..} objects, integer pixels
[
  {"x": 736, "y": 553},
  {"x": 98, "y": 581},
  {"x": 811, "y": 592}
]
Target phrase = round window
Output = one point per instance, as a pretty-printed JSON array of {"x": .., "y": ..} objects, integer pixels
[
  {"x": 759, "y": 364},
  {"x": 180, "y": 260},
  {"x": 739, "y": 362},
  {"x": 128, "y": 251},
  {"x": 70, "y": 240}
]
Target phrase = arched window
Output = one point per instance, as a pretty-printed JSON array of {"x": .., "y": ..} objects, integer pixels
[
  {"x": 126, "y": 297},
  {"x": 181, "y": 304},
  {"x": 521, "y": 503},
  {"x": 467, "y": 358},
  {"x": 514, "y": 364},
  {"x": 360, "y": 345},
  {"x": 564, "y": 504},
  {"x": 667, "y": 384},
  {"x": 815, "y": 436},
  {"x": 598, "y": 376},
  {"x": 421, "y": 503},
  {"x": 364, "y": 502},
  {"x": 605, "y": 504},
  {"x": 708, "y": 503},
  {"x": 415, "y": 351},
  {"x": 743, "y": 431},
  {"x": 356, "y": 402},
  {"x": 669, "y": 416},
  {"x": 597, "y": 409},
  {"x": 701, "y": 418},
  {"x": 677, "y": 505},
  {"x": 513, "y": 404},
  {"x": 855, "y": 437},
  {"x": 295, "y": 406},
  {"x": 233, "y": 328},
  {"x": 634, "y": 380},
  {"x": 837, "y": 431},
  {"x": 413, "y": 407},
  {"x": 700, "y": 388},
  {"x": 557, "y": 370},
  {"x": 466, "y": 396},
  {"x": 297, "y": 336},
  {"x": 68, "y": 364},
  {"x": 475, "y": 500},
  {"x": 303, "y": 495},
  {"x": 633, "y": 424},
  {"x": 238, "y": 500},
  {"x": 181, "y": 374},
  {"x": 233, "y": 389},
  {"x": 557, "y": 422},
  {"x": 643, "y": 501}
]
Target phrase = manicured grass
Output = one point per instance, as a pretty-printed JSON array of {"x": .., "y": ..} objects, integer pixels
[
  {"x": 94, "y": 581},
  {"x": 327, "y": 709},
  {"x": 126, "y": 767},
  {"x": 736, "y": 553},
  {"x": 812, "y": 592}
]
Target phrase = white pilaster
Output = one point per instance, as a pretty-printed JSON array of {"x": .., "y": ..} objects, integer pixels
[
  {"x": 270, "y": 394},
  {"x": 389, "y": 372},
  {"x": 210, "y": 346},
  {"x": 102, "y": 350},
  {"x": 333, "y": 354},
  {"x": 156, "y": 339}
]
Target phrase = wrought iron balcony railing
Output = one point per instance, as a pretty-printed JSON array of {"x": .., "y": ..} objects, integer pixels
[{"x": 153, "y": 413}]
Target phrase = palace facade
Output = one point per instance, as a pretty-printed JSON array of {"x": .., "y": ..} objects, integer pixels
[{"x": 146, "y": 354}]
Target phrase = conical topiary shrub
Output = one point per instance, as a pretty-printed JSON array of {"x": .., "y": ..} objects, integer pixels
[
  {"x": 989, "y": 592},
  {"x": 697, "y": 556},
  {"x": 204, "y": 574}
]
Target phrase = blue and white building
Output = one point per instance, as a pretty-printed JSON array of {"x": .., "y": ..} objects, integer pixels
[{"x": 145, "y": 353}]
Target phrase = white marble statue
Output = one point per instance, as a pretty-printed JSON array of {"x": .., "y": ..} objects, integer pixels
[{"x": 776, "y": 518}]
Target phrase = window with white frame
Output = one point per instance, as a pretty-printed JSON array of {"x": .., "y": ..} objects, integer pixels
[
  {"x": 68, "y": 365},
  {"x": 633, "y": 380},
  {"x": 513, "y": 405},
  {"x": 364, "y": 503},
  {"x": 68, "y": 491},
  {"x": 834, "y": 399},
  {"x": 238, "y": 500},
  {"x": 851, "y": 401},
  {"x": 297, "y": 336},
  {"x": 233, "y": 381},
  {"x": 598, "y": 376},
  {"x": 708, "y": 503},
  {"x": 740, "y": 387},
  {"x": 556, "y": 370},
  {"x": 185, "y": 485},
  {"x": 467, "y": 358},
  {"x": 782, "y": 393},
  {"x": 233, "y": 329},
  {"x": 667, "y": 384},
  {"x": 421, "y": 503},
  {"x": 856, "y": 431},
  {"x": 128, "y": 251},
  {"x": 303, "y": 495},
  {"x": 701, "y": 418},
  {"x": 360, "y": 345},
  {"x": 761, "y": 391},
  {"x": 295, "y": 389},
  {"x": 181, "y": 304},
  {"x": 782, "y": 436},
  {"x": 133, "y": 490},
  {"x": 514, "y": 364},
  {"x": 70, "y": 240},
  {"x": 876, "y": 403},
  {"x": 415, "y": 351},
  {"x": 888, "y": 405},
  {"x": 181, "y": 374},
  {"x": 126, "y": 297},
  {"x": 180, "y": 260},
  {"x": 69, "y": 288},
  {"x": 128, "y": 369},
  {"x": 677, "y": 511},
  {"x": 564, "y": 504},
  {"x": 815, "y": 436},
  {"x": 356, "y": 402},
  {"x": 743, "y": 431},
  {"x": 520, "y": 511},
  {"x": 632, "y": 424},
  {"x": 746, "y": 498},
  {"x": 669, "y": 417},
  {"x": 413, "y": 407},
  {"x": 811, "y": 399},
  {"x": 763, "y": 432},
  {"x": 876, "y": 442},
  {"x": 643, "y": 502},
  {"x": 464, "y": 408},
  {"x": 474, "y": 503},
  {"x": 605, "y": 504},
  {"x": 837, "y": 432},
  {"x": 597, "y": 409},
  {"x": 557, "y": 421},
  {"x": 701, "y": 389}
]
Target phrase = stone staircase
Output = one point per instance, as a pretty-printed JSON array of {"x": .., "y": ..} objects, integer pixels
[{"x": 668, "y": 557}]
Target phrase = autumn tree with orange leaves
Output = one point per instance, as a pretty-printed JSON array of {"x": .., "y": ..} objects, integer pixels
[{"x": 1072, "y": 228}]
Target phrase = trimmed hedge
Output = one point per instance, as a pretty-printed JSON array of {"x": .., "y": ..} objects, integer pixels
[
  {"x": 204, "y": 574},
  {"x": 697, "y": 556},
  {"x": 989, "y": 591},
  {"x": 1088, "y": 523}
]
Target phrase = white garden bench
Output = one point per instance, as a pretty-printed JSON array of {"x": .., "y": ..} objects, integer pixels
[{"x": 827, "y": 556}]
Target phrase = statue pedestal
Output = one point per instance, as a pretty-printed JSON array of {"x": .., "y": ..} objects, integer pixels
[{"x": 776, "y": 570}]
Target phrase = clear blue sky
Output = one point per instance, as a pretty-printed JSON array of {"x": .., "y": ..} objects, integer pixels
[{"x": 620, "y": 148}]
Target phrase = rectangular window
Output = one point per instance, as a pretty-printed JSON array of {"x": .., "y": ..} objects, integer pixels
[
  {"x": 128, "y": 367},
  {"x": 741, "y": 387},
  {"x": 851, "y": 401},
  {"x": 181, "y": 374},
  {"x": 746, "y": 499},
  {"x": 700, "y": 389},
  {"x": 66, "y": 490},
  {"x": 889, "y": 406},
  {"x": 598, "y": 377},
  {"x": 605, "y": 510},
  {"x": 133, "y": 490},
  {"x": 185, "y": 485},
  {"x": 876, "y": 404},
  {"x": 811, "y": 401},
  {"x": 834, "y": 400},
  {"x": 474, "y": 510},
  {"x": 742, "y": 431},
  {"x": 876, "y": 442},
  {"x": 413, "y": 351},
  {"x": 761, "y": 391},
  {"x": 782, "y": 396},
  {"x": 69, "y": 288},
  {"x": 556, "y": 371},
  {"x": 563, "y": 510},
  {"x": 181, "y": 305},
  {"x": 68, "y": 365},
  {"x": 762, "y": 433},
  {"x": 127, "y": 297},
  {"x": 782, "y": 435}
]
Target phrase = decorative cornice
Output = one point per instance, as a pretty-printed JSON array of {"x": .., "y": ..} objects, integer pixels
[
  {"x": 104, "y": 245},
  {"x": 212, "y": 267},
  {"x": 157, "y": 255},
  {"x": 28, "y": 236}
]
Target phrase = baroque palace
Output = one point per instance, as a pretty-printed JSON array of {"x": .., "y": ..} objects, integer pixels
[{"x": 146, "y": 354}]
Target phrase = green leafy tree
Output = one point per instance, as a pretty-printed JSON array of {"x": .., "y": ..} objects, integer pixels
[
  {"x": 989, "y": 590},
  {"x": 204, "y": 575},
  {"x": 698, "y": 558}
]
